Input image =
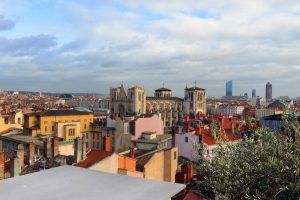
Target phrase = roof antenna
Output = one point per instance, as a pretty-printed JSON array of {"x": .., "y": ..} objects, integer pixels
[{"x": 195, "y": 83}]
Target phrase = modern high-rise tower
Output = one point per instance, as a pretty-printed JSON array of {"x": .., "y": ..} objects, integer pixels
[
  {"x": 268, "y": 90},
  {"x": 253, "y": 93},
  {"x": 229, "y": 88}
]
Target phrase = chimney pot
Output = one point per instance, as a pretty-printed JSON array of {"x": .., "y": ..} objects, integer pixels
[
  {"x": 31, "y": 152},
  {"x": 78, "y": 149},
  {"x": 107, "y": 143},
  {"x": 55, "y": 141},
  {"x": 2, "y": 165},
  {"x": 132, "y": 152}
]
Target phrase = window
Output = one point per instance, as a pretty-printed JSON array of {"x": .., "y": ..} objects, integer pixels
[
  {"x": 84, "y": 126},
  {"x": 45, "y": 122},
  {"x": 175, "y": 155},
  {"x": 87, "y": 136},
  {"x": 52, "y": 128},
  {"x": 72, "y": 132},
  {"x": 45, "y": 128},
  {"x": 186, "y": 139}
]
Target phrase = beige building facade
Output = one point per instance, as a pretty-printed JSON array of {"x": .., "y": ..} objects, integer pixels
[
  {"x": 132, "y": 100},
  {"x": 66, "y": 124}
]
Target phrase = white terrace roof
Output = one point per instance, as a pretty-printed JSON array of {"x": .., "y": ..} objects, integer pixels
[{"x": 76, "y": 183}]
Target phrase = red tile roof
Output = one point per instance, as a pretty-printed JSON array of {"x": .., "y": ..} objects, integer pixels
[
  {"x": 93, "y": 157},
  {"x": 207, "y": 139}
]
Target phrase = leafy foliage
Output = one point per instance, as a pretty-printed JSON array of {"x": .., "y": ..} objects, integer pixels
[
  {"x": 290, "y": 126},
  {"x": 214, "y": 129},
  {"x": 264, "y": 166}
]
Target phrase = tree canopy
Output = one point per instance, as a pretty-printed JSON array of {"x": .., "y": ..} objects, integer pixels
[{"x": 263, "y": 166}]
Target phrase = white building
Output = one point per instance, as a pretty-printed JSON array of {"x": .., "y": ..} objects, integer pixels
[
  {"x": 187, "y": 143},
  {"x": 259, "y": 113},
  {"x": 230, "y": 110}
]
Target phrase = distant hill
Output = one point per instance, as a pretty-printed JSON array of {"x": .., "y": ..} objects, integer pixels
[{"x": 58, "y": 94}]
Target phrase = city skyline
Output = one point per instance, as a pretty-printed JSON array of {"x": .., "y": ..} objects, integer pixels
[{"x": 59, "y": 46}]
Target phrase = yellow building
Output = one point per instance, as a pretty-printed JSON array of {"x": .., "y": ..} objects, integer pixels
[
  {"x": 5, "y": 125},
  {"x": 66, "y": 124}
]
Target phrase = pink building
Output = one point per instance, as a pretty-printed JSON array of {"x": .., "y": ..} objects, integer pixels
[{"x": 146, "y": 123}]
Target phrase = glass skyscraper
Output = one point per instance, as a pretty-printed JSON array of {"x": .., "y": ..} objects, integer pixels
[
  {"x": 253, "y": 93},
  {"x": 229, "y": 88}
]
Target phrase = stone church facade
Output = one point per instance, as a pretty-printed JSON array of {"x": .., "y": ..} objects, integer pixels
[{"x": 171, "y": 109}]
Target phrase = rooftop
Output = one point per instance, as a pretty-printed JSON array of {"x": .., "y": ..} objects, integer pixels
[
  {"x": 158, "y": 139},
  {"x": 194, "y": 88},
  {"x": 93, "y": 157},
  {"x": 137, "y": 152},
  {"x": 143, "y": 159},
  {"x": 164, "y": 98},
  {"x": 76, "y": 183},
  {"x": 163, "y": 89},
  {"x": 24, "y": 139},
  {"x": 228, "y": 136},
  {"x": 59, "y": 113}
]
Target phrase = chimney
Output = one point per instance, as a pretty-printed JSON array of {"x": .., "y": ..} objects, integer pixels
[
  {"x": 15, "y": 168},
  {"x": 78, "y": 149},
  {"x": 107, "y": 143},
  {"x": 2, "y": 165},
  {"x": 198, "y": 130},
  {"x": 47, "y": 152},
  {"x": 31, "y": 153},
  {"x": 83, "y": 147},
  {"x": 17, "y": 163},
  {"x": 54, "y": 147},
  {"x": 1, "y": 145},
  {"x": 189, "y": 172},
  {"x": 132, "y": 151},
  {"x": 20, "y": 155}
]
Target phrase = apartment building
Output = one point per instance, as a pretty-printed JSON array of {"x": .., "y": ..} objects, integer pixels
[{"x": 66, "y": 124}]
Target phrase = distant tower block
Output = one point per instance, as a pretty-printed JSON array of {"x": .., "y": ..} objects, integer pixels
[
  {"x": 229, "y": 88},
  {"x": 253, "y": 93},
  {"x": 268, "y": 90}
]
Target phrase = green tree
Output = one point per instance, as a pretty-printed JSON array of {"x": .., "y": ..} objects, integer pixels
[
  {"x": 214, "y": 129},
  {"x": 290, "y": 126},
  {"x": 263, "y": 166},
  {"x": 250, "y": 122}
]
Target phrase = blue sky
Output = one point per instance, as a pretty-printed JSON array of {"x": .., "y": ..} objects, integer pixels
[{"x": 88, "y": 46}]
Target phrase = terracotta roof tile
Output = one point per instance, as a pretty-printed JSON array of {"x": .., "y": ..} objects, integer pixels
[{"x": 93, "y": 157}]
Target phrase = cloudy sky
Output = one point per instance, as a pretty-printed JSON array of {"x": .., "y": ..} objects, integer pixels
[{"x": 89, "y": 45}]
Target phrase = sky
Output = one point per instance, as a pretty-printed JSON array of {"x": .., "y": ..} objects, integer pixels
[{"x": 91, "y": 45}]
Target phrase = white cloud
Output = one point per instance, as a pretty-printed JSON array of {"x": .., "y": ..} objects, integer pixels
[{"x": 150, "y": 42}]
